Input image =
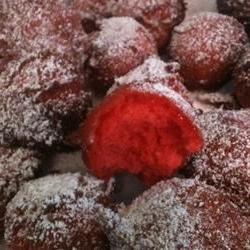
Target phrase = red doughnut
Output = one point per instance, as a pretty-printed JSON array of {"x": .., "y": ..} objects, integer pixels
[
  {"x": 43, "y": 97},
  {"x": 57, "y": 212},
  {"x": 57, "y": 29},
  {"x": 242, "y": 80},
  {"x": 144, "y": 129},
  {"x": 159, "y": 16},
  {"x": 152, "y": 71},
  {"x": 17, "y": 165},
  {"x": 178, "y": 214},
  {"x": 121, "y": 45},
  {"x": 225, "y": 159},
  {"x": 207, "y": 46},
  {"x": 47, "y": 25}
]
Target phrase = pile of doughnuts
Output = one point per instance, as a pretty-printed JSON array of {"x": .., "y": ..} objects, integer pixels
[{"x": 139, "y": 90}]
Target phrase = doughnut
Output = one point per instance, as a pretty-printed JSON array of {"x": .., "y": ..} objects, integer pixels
[
  {"x": 43, "y": 97},
  {"x": 17, "y": 165},
  {"x": 159, "y": 16},
  {"x": 143, "y": 129},
  {"x": 178, "y": 214},
  {"x": 120, "y": 45},
  {"x": 239, "y": 9},
  {"x": 225, "y": 159},
  {"x": 153, "y": 71},
  {"x": 242, "y": 80},
  {"x": 38, "y": 25},
  {"x": 207, "y": 46},
  {"x": 56, "y": 29},
  {"x": 56, "y": 212}
]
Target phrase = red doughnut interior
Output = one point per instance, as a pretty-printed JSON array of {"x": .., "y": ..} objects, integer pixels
[{"x": 142, "y": 133}]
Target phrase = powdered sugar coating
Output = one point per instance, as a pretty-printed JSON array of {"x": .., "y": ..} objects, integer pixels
[
  {"x": 113, "y": 39},
  {"x": 207, "y": 45},
  {"x": 225, "y": 160},
  {"x": 51, "y": 26},
  {"x": 56, "y": 212},
  {"x": 7, "y": 49},
  {"x": 17, "y": 166},
  {"x": 119, "y": 46},
  {"x": 179, "y": 214},
  {"x": 242, "y": 79},
  {"x": 162, "y": 90},
  {"x": 57, "y": 29},
  {"x": 239, "y": 9},
  {"x": 39, "y": 92},
  {"x": 154, "y": 70},
  {"x": 23, "y": 121},
  {"x": 158, "y": 16}
]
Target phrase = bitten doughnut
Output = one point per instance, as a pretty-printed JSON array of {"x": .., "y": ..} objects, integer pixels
[
  {"x": 120, "y": 45},
  {"x": 225, "y": 159},
  {"x": 16, "y": 167},
  {"x": 207, "y": 46},
  {"x": 239, "y": 9},
  {"x": 152, "y": 71},
  {"x": 159, "y": 16},
  {"x": 42, "y": 96},
  {"x": 145, "y": 129},
  {"x": 178, "y": 214},
  {"x": 56, "y": 212},
  {"x": 242, "y": 80}
]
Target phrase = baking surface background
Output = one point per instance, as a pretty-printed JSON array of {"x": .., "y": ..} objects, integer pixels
[{"x": 71, "y": 162}]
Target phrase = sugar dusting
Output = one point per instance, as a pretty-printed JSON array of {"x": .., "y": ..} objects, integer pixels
[
  {"x": 211, "y": 40},
  {"x": 240, "y": 9},
  {"x": 51, "y": 26},
  {"x": 178, "y": 214},
  {"x": 16, "y": 167},
  {"x": 48, "y": 52},
  {"x": 162, "y": 90},
  {"x": 225, "y": 160},
  {"x": 41, "y": 200},
  {"x": 139, "y": 6},
  {"x": 117, "y": 34},
  {"x": 158, "y": 16},
  {"x": 24, "y": 117},
  {"x": 242, "y": 79},
  {"x": 152, "y": 70}
]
